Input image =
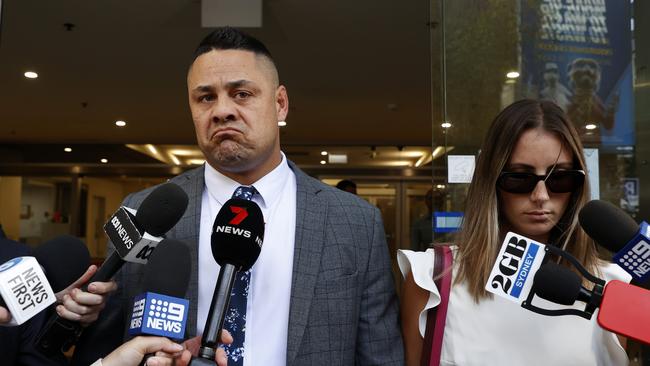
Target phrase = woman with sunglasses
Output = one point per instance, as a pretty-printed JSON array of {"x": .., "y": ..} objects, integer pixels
[{"x": 529, "y": 179}]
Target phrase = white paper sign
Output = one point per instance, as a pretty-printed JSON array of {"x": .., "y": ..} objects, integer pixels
[
  {"x": 460, "y": 168},
  {"x": 591, "y": 160}
]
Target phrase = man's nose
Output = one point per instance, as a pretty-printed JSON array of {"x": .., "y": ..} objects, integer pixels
[{"x": 223, "y": 110}]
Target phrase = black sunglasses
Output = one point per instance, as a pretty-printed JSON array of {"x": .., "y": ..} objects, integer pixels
[{"x": 559, "y": 181}]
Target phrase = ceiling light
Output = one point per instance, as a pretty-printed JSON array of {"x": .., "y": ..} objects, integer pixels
[
  {"x": 512, "y": 75},
  {"x": 440, "y": 186},
  {"x": 195, "y": 161},
  {"x": 591, "y": 126},
  {"x": 104, "y": 161},
  {"x": 282, "y": 123},
  {"x": 184, "y": 152},
  {"x": 152, "y": 149},
  {"x": 30, "y": 75},
  {"x": 323, "y": 153},
  {"x": 323, "y": 162},
  {"x": 120, "y": 123},
  {"x": 446, "y": 124},
  {"x": 67, "y": 149},
  {"x": 174, "y": 159}
]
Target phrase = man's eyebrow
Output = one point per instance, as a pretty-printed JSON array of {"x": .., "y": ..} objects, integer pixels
[
  {"x": 203, "y": 89},
  {"x": 238, "y": 83}
]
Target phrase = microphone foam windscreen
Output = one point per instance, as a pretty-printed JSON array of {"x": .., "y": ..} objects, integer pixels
[
  {"x": 607, "y": 224},
  {"x": 168, "y": 269},
  {"x": 64, "y": 259},
  {"x": 162, "y": 209},
  {"x": 557, "y": 284},
  {"x": 237, "y": 233}
]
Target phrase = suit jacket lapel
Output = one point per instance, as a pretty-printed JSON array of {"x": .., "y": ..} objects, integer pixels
[
  {"x": 187, "y": 230},
  {"x": 311, "y": 212}
]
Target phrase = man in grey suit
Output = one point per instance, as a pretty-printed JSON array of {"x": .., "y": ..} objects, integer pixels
[{"x": 321, "y": 292}]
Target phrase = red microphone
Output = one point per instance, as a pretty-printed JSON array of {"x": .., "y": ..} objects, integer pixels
[{"x": 624, "y": 308}]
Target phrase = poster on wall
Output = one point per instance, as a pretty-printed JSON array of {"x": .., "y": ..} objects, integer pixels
[{"x": 578, "y": 53}]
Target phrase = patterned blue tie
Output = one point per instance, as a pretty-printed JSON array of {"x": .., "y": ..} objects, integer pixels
[{"x": 235, "y": 321}]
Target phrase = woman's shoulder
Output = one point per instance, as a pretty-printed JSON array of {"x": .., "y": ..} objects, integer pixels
[{"x": 611, "y": 271}]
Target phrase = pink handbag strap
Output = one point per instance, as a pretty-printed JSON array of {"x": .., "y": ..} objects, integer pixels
[{"x": 432, "y": 346}]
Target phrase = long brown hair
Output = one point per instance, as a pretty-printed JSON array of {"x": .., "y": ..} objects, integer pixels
[{"x": 480, "y": 237}]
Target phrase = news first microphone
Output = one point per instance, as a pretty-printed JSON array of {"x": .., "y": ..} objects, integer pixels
[
  {"x": 134, "y": 236},
  {"x": 615, "y": 230},
  {"x": 28, "y": 284},
  {"x": 161, "y": 310},
  {"x": 237, "y": 236},
  {"x": 624, "y": 308}
]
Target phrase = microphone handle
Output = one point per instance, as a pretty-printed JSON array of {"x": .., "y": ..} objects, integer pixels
[
  {"x": 107, "y": 270},
  {"x": 59, "y": 334},
  {"x": 218, "y": 310}
]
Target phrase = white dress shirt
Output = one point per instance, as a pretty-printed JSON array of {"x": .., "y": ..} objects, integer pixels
[{"x": 267, "y": 308}]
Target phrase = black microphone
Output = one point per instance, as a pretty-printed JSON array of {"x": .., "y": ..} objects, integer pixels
[
  {"x": 624, "y": 308},
  {"x": 165, "y": 280},
  {"x": 616, "y": 231},
  {"x": 135, "y": 235},
  {"x": 237, "y": 236}
]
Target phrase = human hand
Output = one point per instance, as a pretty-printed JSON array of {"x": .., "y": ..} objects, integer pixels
[
  {"x": 5, "y": 315},
  {"x": 81, "y": 306},
  {"x": 193, "y": 345},
  {"x": 132, "y": 352}
]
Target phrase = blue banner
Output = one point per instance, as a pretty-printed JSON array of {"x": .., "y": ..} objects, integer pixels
[{"x": 578, "y": 53}]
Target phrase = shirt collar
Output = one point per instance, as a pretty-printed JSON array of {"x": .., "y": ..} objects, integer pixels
[{"x": 269, "y": 186}]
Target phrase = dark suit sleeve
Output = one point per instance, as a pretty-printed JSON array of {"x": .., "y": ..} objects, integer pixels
[{"x": 379, "y": 341}]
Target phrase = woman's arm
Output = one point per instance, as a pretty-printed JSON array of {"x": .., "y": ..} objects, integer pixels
[{"x": 413, "y": 301}]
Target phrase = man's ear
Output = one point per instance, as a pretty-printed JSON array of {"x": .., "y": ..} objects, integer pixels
[{"x": 281, "y": 103}]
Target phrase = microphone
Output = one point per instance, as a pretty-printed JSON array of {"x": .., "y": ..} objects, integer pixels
[
  {"x": 161, "y": 310},
  {"x": 135, "y": 235},
  {"x": 624, "y": 308},
  {"x": 28, "y": 284},
  {"x": 518, "y": 260},
  {"x": 615, "y": 230},
  {"x": 237, "y": 236}
]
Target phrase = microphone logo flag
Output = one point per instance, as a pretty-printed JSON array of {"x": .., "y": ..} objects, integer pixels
[
  {"x": 161, "y": 315},
  {"x": 514, "y": 269},
  {"x": 240, "y": 214},
  {"x": 24, "y": 289},
  {"x": 634, "y": 258}
]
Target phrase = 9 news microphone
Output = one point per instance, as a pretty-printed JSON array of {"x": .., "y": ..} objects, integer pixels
[
  {"x": 616, "y": 231},
  {"x": 624, "y": 308},
  {"x": 135, "y": 236},
  {"x": 161, "y": 310},
  {"x": 28, "y": 284},
  {"x": 237, "y": 236}
]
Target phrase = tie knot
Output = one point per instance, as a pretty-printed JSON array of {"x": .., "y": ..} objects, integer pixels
[{"x": 244, "y": 192}]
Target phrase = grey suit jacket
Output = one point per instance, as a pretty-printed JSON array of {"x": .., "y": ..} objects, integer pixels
[{"x": 343, "y": 307}]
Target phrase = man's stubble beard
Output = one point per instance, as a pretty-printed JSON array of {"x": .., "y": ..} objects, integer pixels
[{"x": 229, "y": 155}]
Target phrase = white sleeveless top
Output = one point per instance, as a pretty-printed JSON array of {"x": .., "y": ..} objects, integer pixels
[{"x": 500, "y": 332}]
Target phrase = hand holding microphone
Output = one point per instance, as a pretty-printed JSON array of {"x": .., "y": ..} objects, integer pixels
[
  {"x": 28, "y": 284},
  {"x": 135, "y": 235}
]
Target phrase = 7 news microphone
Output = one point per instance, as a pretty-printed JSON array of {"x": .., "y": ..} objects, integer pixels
[
  {"x": 28, "y": 284},
  {"x": 624, "y": 308},
  {"x": 135, "y": 235},
  {"x": 615, "y": 230},
  {"x": 237, "y": 236}
]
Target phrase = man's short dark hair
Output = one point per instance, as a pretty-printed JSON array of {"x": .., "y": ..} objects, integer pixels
[
  {"x": 345, "y": 184},
  {"x": 227, "y": 38}
]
